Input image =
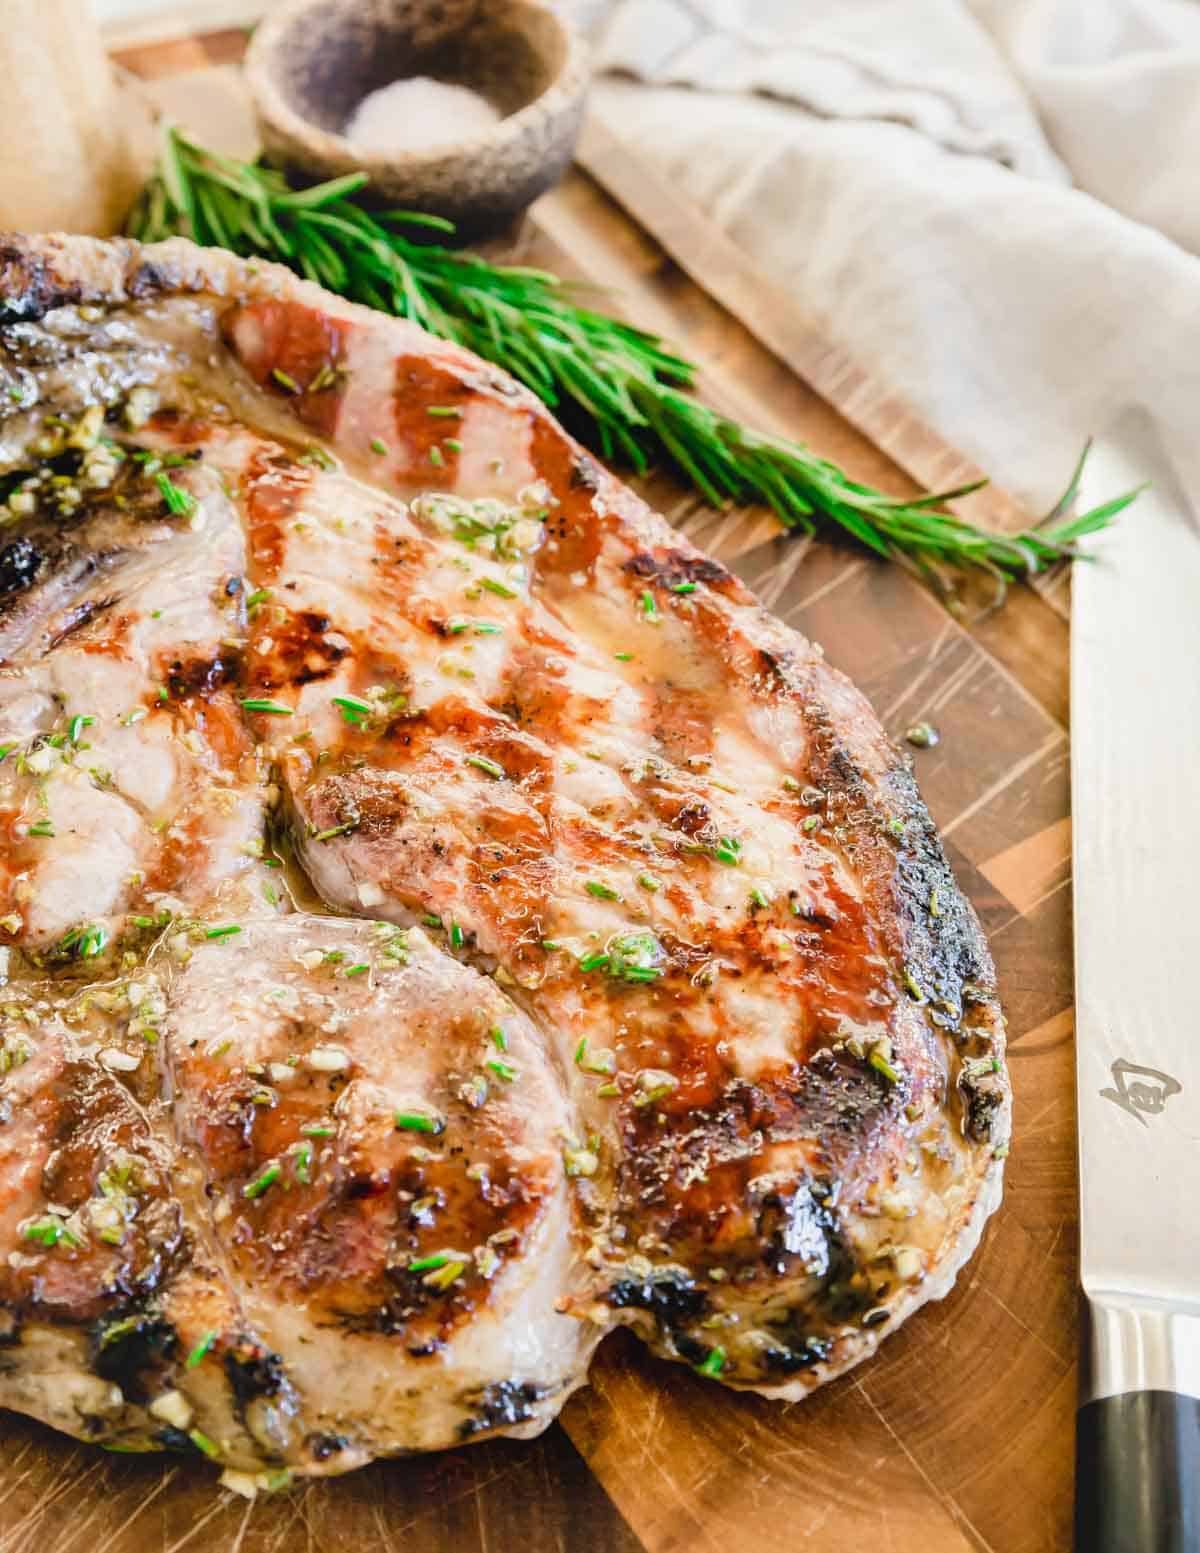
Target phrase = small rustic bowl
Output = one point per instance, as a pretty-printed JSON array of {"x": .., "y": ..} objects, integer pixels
[{"x": 312, "y": 61}]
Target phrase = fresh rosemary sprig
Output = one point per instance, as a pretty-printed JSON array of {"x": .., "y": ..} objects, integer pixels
[{"x": 622, "y": 382}]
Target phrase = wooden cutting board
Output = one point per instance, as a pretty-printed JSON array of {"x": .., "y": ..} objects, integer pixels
[{"x": 957, "y": 1437}]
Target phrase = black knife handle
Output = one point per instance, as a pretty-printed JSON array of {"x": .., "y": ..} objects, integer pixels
[{"x": 1137, "y": 1474}]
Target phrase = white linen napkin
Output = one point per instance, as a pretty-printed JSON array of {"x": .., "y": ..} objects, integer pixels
[{"x": 983, "y": 201}]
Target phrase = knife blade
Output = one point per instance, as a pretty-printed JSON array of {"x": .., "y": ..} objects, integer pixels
[{"x": 1135, "y": 723}]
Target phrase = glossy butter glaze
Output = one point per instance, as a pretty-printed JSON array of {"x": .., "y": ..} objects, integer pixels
[{"x": 754, "y": 1103}]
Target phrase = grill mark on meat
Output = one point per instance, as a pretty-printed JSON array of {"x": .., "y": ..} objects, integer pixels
[
  {"x": 287, "y": 348},
  {"x": 400, "y": 557},
  {"x": 181, "y": 429},
  {"x": 301, "y": 652},
  {"x": 671, "y": 567},
  {"x": 83, "y": 1118},
  {"x": 201, "y": 677},
  {"x": 418, "y": 384},
  {"x": 273, "y": 489},
  {"x": 574, "y": 524},
  {"x": 680, "y": 721}
]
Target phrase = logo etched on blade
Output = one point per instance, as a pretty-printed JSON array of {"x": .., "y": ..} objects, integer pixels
[{"x": 1146, "y": 1095}]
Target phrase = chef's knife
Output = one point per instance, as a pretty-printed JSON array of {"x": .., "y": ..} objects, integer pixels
[{"x": 1135, "y": 722}]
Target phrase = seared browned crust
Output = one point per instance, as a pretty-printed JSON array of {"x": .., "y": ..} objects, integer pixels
[{"x": 816, "y": 1273}]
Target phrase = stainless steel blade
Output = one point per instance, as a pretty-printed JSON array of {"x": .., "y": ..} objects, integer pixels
[{"x": 1135, "y": 723}]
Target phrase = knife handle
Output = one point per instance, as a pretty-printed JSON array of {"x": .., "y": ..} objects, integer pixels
[{"x": 1137, "y": 1474}]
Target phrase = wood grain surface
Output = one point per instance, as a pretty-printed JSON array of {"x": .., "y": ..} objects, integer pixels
[{"x": 957, "y": 1437}]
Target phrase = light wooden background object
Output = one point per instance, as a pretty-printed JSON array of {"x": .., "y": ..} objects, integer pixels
[{"x": 957, "y": 1437}]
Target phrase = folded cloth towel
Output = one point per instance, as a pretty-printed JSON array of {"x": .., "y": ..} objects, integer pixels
[{"x": 885, "y": 163}]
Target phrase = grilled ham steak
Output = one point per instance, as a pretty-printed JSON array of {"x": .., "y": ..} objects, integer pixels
[{"x": 446, "y": 917}]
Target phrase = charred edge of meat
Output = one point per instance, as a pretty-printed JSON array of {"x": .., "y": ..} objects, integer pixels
[
  {"x": 201, "y": 676},
  {"x": 946, "y": 947},
  {"x": 802, "y": 1353},
  {"x": 984, "y": 1095},
  {"x": 29, "y": 285},
  {"x": 178, "y": 1440},
  {"x": 585, "y": 474},
  {"x": 10, "y": 1328},
  {"x": 20, "y": 563},
  {"x": 253, "y": 1371},
  {"x": 133, "y": 1352},
  {"x": 672, "y": 1298},
  {"x": 500, "y": 1406},
  {"x": 32, "y": 284},
  {"x": 672, "y": 567},
  {"x": 947, "y": 950},
  {"x": 322, "y": 1446}
]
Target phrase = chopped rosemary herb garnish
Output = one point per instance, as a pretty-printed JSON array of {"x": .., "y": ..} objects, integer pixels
[
  {"x": 602, "y": 1061},
  {"x": 76, "y": 726},
  {"x": 264, "y": 704},
  {"x": 227, "y": 931},
  {"x": 882, "y": 1066},
  {"x": 42, "y": 828},
  {"x": 593, "y": 961},
  {"x": 87, "y": 941},
  {"x": 259, "y": 596},
  {"x": 360, "y": 969},
  {"x": 448, "y": 410},
  {"x": 419, "y": 1121},
  {"x": 202, "y": 1442},
  {"x": 454, "y": 445},
  {"x": 180, "y": 502},
  {"x": 335, "y": 830},
  {"x": 48, "y": 1231},
  {"x": 623, "y": 657},
  {"x": 634, "y": 956},
  {"x": 424, "y": 1263},
  {"x": 260, "y": 1184},
  {"x": 649, "y": 607},
  {"x": 303, "y": 1156},
  {"x": 504, "y": 1070},
  {"x": 378, "y": 445},
  {"x": 285, "y": 380},
  {"x": 201, "y": 1350},
  {"x": 728, "y": 850},
  {"x": 354, "y": 709},
  {"x": 713, "y": 1363},
  {"x": 683, "y": 587},
  {"x": 649, "y": 882},
  {"x": 490, "y": 768},
  {"x": 500, "y": 589},
  {"x": 602, "y": 892},
  {"x": 456, "y": 936},
  {"x": 498, "y": 1038},
  {"x": 436, "y": 457},
  {"x": 317, "y": 1130},
  {"x": 442, "y": 1278}
]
